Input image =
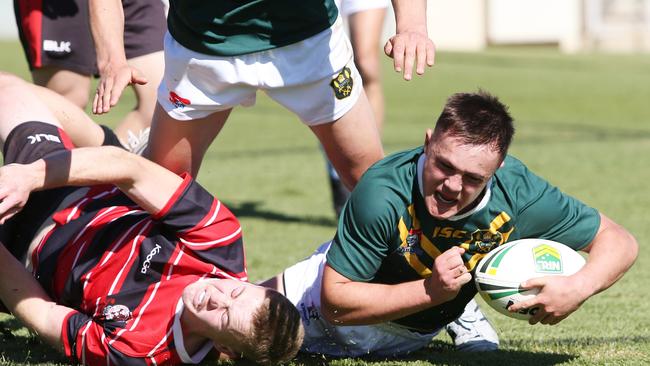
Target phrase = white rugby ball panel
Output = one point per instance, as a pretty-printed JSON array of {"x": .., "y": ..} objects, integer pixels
[{"x": 499, "y": 274}]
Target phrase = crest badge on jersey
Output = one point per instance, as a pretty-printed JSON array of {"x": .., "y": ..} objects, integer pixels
[
  {"x": 412, "y": 242},
  {"x": 342, "y": 84},
  {"x": 483, "y": 241},
  {"x": 116, "y": 313}
]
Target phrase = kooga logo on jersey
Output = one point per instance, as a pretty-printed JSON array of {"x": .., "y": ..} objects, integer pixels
[{"x": 147, "y": 262}]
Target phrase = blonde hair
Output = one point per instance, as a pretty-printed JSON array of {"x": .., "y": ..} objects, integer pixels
[{"x": 277, "y": 332}]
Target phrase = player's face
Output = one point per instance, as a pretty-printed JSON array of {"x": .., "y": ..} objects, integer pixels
[
  {"x": 455, "y": 174},
  {"x": 225, "y": 306}
]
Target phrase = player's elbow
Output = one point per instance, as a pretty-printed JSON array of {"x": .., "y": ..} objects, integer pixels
[
  {"x": 329, "y": 310},
  {"x": 632, "y": 248}
]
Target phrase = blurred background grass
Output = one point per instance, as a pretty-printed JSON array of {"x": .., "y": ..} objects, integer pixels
[{"x": 583, "y": 122}]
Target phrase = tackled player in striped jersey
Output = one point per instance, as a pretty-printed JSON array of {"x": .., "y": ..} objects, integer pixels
[{"x": 131, "y": 263}]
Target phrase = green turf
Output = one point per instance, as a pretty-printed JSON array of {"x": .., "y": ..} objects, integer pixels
[{"x": 583, "y": 122}]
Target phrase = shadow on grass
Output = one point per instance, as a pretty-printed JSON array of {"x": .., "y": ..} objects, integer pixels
[
  {"x": 253, "y": 209},
  {"x": 442, "y": 353},
  {"x": 579, "y": 342}
]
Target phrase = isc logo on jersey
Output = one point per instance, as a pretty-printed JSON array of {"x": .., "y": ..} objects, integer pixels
[{"x": 499, "y": 273}]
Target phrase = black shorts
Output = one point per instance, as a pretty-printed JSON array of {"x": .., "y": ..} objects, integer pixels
[
  {"x": 25, "y": 144},
  {"x": 57, "y": 32}
]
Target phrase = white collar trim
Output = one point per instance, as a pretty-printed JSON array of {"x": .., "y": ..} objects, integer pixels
[
  {"x": 480, "y": 206},
  {"x": 177, "y": 332}
]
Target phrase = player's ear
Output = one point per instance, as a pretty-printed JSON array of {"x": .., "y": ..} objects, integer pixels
[{"x": 427, "y": 138}]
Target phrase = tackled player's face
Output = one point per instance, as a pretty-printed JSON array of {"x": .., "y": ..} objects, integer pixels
[
  {"x": 455, "y": 173},
  {"x": 226, "y": 306}
]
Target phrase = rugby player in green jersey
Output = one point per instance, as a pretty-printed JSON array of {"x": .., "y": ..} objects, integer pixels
[{"x": 399, "y": 268}]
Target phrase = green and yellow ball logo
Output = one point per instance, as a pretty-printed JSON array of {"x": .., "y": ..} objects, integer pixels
[{"x": 547, "y": 259}]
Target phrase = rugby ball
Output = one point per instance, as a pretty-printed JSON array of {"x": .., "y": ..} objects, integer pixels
[{"x": 499, "y": 274}]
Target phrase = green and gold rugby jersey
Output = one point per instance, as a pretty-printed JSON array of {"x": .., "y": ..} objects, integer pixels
[
  {"x": 386, "y": 235},
  {"x": 237, "y": 27}
]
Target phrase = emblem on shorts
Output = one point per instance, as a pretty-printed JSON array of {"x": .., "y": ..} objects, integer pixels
[
  {"x": 116, "y": 313},
  {"x": 178, "y": 101},
  {"x": 342, "y": 83}
]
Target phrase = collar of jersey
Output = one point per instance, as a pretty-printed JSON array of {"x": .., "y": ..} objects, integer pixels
[
  {"x": 484, "y": 200},
  {"x": 177, "y": 331}
]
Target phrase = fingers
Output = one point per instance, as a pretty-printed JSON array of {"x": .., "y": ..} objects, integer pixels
[
  {"x": 111, "y": 85},
  {"x": 409, "y": 50},
  {"x": 8, "y": 208},
  {"x": 533, "y": 282},
  {"x": 426, "y": 56},
  {"x": 137, "y": 77},
  {"x": 455, "y": 266},
  {"x": 388, "y": 48}
]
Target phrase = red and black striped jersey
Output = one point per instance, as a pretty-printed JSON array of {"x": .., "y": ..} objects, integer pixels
[{"x": 124, "y": 270}]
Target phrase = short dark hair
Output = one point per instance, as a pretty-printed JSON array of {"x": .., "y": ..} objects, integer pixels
[
  {"x": 277, "y": 331},
  {"x": 477, "y": 119}
]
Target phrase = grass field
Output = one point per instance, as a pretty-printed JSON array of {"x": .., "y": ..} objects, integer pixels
[{"x": 582, "y": 121}]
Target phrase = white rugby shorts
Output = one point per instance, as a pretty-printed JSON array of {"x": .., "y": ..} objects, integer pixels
[
  {"x": 316, "y": 78},
  {"x": 349, "y": 7},
  {"x": 302, "y": 286}
]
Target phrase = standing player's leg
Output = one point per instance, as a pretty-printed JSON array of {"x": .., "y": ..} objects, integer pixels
[
  {"x": 365, "y": 22},
  {"x": 144, "y": 29},
  {"x": 133, "y": 129},
  {"x": 365, "y": 33},
  {"x": 58, "y": 46},
  {"x": 72, "y": 85},
  {"x": 326, "y": 93},
  {"x": 352, "y": 142},
  {"x": 180, "y": 145}
]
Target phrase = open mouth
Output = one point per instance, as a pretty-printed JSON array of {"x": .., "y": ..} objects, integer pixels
[{"x": 444, "y": 200}]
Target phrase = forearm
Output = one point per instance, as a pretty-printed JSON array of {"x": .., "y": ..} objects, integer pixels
[
  {"x": 148, "y": 184},
  {"x": 360, "y": 303},
  {"x": 28, "y": 302},
  {"x": 410, "y": 15},
  {"x": 107, "y": 26}
]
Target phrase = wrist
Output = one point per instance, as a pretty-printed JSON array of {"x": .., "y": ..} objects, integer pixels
[
  {"x": 111, "y": 62},
  {"x": 435, "y": 295},
  {"x": 584, "y": 284},
  {"x": 35, "y": 174}
]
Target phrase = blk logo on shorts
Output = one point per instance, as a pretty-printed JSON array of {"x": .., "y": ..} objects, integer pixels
[
  {"x": 178, "y": 101},
  {"x": 57, "y": 47},
  {"x": 40, "y": 137},
  {"x": 342, "y": 83}
]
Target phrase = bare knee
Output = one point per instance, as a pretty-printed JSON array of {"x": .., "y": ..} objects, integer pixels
[
  {"x": 369, "y": 68},
  {"x": 72, "y": 85}
]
